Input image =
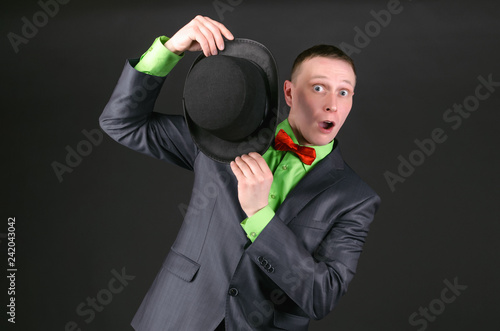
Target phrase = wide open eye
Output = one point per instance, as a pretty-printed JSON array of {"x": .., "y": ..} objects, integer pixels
[
  {"x": 318, "y": 88},
  {"x": 344, "y": 93}
]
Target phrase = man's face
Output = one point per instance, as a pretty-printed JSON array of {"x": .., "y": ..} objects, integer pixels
[{"x": 320, "y": 98}]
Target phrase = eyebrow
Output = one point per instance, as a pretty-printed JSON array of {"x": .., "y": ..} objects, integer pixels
[{"x": 324, "y": 77}]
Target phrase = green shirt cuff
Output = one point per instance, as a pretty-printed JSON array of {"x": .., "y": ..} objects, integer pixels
[
  {"x": 254, "y": 225},
  {"x": 158, "y": 60}
]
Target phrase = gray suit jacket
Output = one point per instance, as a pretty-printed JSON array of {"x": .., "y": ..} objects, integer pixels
[{"x": 297, "y": 268}]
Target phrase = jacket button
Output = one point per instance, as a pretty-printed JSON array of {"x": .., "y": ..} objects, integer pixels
[
  {"x": 233, "y": 292},
  {"x": 270, "y": 270},
  {"x": 260, "y": 259}
]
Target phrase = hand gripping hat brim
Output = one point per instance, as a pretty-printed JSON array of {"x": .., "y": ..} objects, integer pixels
[{"x": 231, "y": 115}]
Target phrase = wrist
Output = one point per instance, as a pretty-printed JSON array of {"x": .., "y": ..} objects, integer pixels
[
  {"x": 169, "y": 45},
  {"x": 250, "y": 213}
]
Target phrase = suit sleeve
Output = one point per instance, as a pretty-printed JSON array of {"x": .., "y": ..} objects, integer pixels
[
  {"x": 129, "y": 119},
  {"x": 315, "y": 281}
]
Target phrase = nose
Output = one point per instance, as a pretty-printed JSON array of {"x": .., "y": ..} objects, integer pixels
[{"x": 331, "y": 103}]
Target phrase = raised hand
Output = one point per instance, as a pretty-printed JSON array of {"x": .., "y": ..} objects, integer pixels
[{"x": 201, "y": 34}]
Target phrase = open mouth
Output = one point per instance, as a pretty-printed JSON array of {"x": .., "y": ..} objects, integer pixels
[{"x": 326, "y": 125}]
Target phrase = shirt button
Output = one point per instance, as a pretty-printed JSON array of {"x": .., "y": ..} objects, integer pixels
[
  {"x": 253, "y": 234},
  {"x": 273, "y": 196},
  {"x": 284, "y": 167},
  {"x": 233, "y": 292}
]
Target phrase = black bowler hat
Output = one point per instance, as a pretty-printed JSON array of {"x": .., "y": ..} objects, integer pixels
[{"x": 231, "y": 100}]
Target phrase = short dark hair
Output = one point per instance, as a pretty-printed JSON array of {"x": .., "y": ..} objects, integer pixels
[{"x": 322, "y": 50}]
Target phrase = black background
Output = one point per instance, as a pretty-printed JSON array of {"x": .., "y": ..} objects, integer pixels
[{"x": 119, "y": 209}]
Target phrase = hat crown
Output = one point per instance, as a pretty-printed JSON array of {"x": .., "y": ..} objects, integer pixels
[
  {"x": 231, "y": 101},
  {"x": 226, "y": 96}
]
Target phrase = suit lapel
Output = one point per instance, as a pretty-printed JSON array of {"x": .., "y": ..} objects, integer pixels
[{"x": 325, "y": 174}]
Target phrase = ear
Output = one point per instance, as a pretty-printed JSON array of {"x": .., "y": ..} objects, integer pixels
[{"x": 287, "y": 89}]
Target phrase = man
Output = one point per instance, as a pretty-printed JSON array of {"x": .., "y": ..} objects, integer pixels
[{"x": 279, "y": 242}]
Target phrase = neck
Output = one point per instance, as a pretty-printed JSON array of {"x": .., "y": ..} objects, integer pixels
[{"x": 297, "y": 134}]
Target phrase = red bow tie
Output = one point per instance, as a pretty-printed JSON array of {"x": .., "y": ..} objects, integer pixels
[{"x": 283, "y": 142}]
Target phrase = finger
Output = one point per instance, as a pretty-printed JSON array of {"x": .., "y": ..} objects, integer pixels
[
  {"x": 236, "y": 171},
  {"x": 245, "y": 169},
  {"x": 212, "y": 34},
  {"x": 252, "y": 164},
  {"x": 210, "y": 38},
  {"x": 264, "y": 167},
  {"x": 222, "y": 30},
  {"x": 200, "y": 38},
  {"x": 260, "y": 170},
  {"x": 205, "y": 39},
  {"x": 225, "y": 31},
  {"x": 216, "y": 32}
]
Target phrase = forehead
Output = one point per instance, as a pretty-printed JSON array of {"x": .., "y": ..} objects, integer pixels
[{"x": 326, "y": 67}]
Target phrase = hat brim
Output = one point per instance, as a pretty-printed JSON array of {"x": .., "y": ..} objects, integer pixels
[{"x": 259, "y": 141}]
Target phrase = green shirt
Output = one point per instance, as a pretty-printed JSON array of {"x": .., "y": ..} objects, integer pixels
[{"x": 286, "y": 167}]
